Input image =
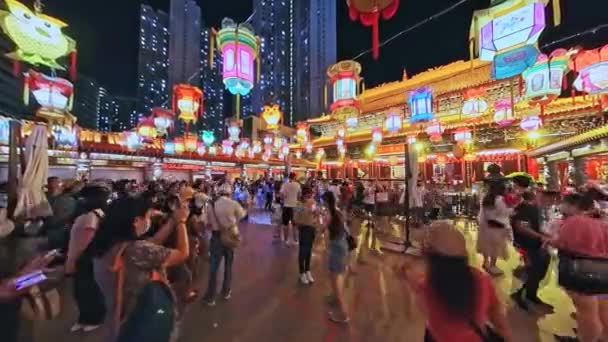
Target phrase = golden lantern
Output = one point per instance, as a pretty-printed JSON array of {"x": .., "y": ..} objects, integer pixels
[
  {"x": 188, "y": 100},
  {"x": 302, "y": 132},
  {"x": 272, "y": 115},
  {"x": 190, "y": 142},
  {"x": 179, "y": 145},
  {"x": 146, "y": 129}
]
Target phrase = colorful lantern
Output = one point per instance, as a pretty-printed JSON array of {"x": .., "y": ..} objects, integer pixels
[
  {"x": 441, "y": 159},
  {"x": 163, "y": 120},
  {"x": 38, "y": 37},
  {"x": 133, "y": 140},
  {"x": 344, "y": 78},
  {"x": 474, "y": 104},
  {"x": 434, "y": 130},
  {"x": 234, "y": 131},
  {"x": 299, "y": 154},
  {"x": 146, "y": 129},
  {"x": 503, "y": 112},
  {"x": 369, "y": 12},
  {"x": 239, "y": 153},
  {"x": 190, "y": 142},
  {"x": 212, "y": 150},
  {"x": 257, "y": 147},
  {"x": 65, "y": 136},
  {"x": 370, "y": 150},
  {"x": 272, "y": 115},
  {"x": 421, "y": 104},
  {"x": 285, "y": 149},
  {"x": 377, "y": 135},
  {"x": 180, "y": 147},
  {"x": 544, "y": 80},
  {"x": 268, "y": 139},
  {"x": 530, "y": 123},
  {"x": 188, "y": 100},
  {"x": 506, "y": 34},
  {"x": 302, "y": 132},
  {"x": 227, "y": 148},
  {"x": 208, "y": 138},
  {"x": 54, "y": 95},
  {"x": 201, "y": 149},
  {"x": 411, "y": 139},
  {"x": 4, "y": 130},
  {"x": 592, "y": 68},
  {"x": 169, "y": 147},
  {"x": 240, "y": 49},
  {"x": 339, "y": 142},
  {"x": 278, "y": 142},
  {"x": 309, "y": 148},
  {"x": 463, "y": 136},
  {"x": 393, "y": 122}
]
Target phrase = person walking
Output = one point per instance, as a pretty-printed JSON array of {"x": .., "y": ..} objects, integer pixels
[
  {"x": 290, "y": 194},
  {"x": 494, "y": 227},
  {"x": 307, "y": 218}
]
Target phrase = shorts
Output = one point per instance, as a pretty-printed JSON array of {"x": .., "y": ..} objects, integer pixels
[{"x": 287, "y": 215}]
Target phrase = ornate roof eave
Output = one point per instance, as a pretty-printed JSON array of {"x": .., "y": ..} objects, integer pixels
[{"x": 579, "y": 139}]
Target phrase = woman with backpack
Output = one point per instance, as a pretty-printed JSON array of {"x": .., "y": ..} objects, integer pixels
[
  {"x": 87, "y": 294},
  {"x": 131, "y": 271}
]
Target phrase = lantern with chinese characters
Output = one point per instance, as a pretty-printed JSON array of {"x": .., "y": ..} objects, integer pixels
[
  {"x": 169, "y": 147},
  {"x": 544, "y": 80},
  {"x": 434, "y": 130},
  {"x": 180, "y": 147},
  {"x": 369, "y": 12},
  {"x": 227, "y": 148},
  {"x": 208, "y": 138},
  {"x": 463, "y": 136},
  {"x": 163, "y": 120},
  {"x": 344, "y": 79},
  {"x": 393, "y": 122},
  {"x": 268, "y": 139},
  {"x": 411, "y": 139},
  {"x": 506, "y": 34},
  {"x": 54, "y": 95},
  {"x": 190, "y": 142},
  {"x": 474, "y": 104},
  {"x": 188, "y": 101},
  {"x": 38, "y": 37},
  {"x": 302, "y": 132},
  {"x": 201, "y": 149},
  {"x": 530, "y": 123},
  {"x": 377, "y": 135},
  {"x": 234, "y": 131},
  {"x": 65, "y": 137},
  {"x": 503, "y": 112},
  {"x": 309, "y": 148},
  {"x": 592, "y": 68},
  {"x": 146, "y": 129},
  {"x": 421, "y": 104},
  {"x": 240, "y": 49},
  {"x": 272, "y": 115},
  {"x": 257, "y": 147}
]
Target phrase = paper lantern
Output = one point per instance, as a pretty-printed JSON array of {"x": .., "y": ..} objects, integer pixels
[
  {"x": 234, "y": 131},
  {"x": 180, "y": 147},
  {"x": 208, "y": 138},
  {"x": 506, "y": 34},
  {"x": 411, "y": 139},
  {"x": 146, "y": 129},
  {"x": 299, "y": 154},
  {"x": 544, "y": 80},
  {"x": 169, "y": 147},
  {"x": 393, "y": 122},
  {"x": 212, "y": 150},
  {"x": 302, "y": 132},
  {"x": 377, "y": 135},
  {"x": 474, "y": 104},
  {"x": 188, "y": 100},
  {"x": 268, "y": 139},
  {"x": 240, "y": 49},
  {"x": 469, "y": 157},
  {"x": 463, "y": 136},
  {"x": 309, "y": 148},
  {"x": 592, "y": 68},
  {"x": 272, "y": 115},
  {"x": 257, "y": 147},
  {"x": 239, "y": 153},
  {"x": 227, "y": 148},
  {"x": 369, "y": 12},
  {"x": 434, "y": 130},
  {"x": 190, "y": 142},
  {"x": 201, "y": 149},
  {"x": 54, "y": 95},
  {"x": 344, "y": 79},
  {"x": 339, "y": 142},
  {"x": 421, "y": 104},
  {"x": 163, "y": 120},
  {"x": 530, "y": 123},
  {"x": 503, "y": 112},
  {"x": 65, "y": 136},
  {"x": 38, "y": 37}
]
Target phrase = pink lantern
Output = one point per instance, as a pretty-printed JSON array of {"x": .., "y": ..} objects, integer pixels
[
  {"x": 377, "y": 135},
  {"x": 463, "y": 136},
  {"x": 434, "y": 130},
  {"x": 201, "y": 149},
  {"x": 503, "y": 115},
  {"x": 530, "y": 123},
  {"x": 227, "y": 148}
]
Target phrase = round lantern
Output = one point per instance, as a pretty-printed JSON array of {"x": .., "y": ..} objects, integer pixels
[
  {"x": 377, "y": 135},
  {"x": 133, "y": 140},
  {"x": 434, "y": 130},
  {"x": 344, "y": 79},
  {"x": 544, "y": 80},
  {"x": 257, "y": 147},
  {"x": 169, "y": 147},
  {"x": 188, "y": 101},
  {"x": 146, "y": 129},
  {"x": 503, "y": 115},
  {"x": 463, "y": 136},
  {"x": 271, "y": 114},
  {"x": 227, "y": 148},
  {"x": 201, "y": 149},
  {"x": 530, "y": 123},
  {"x": 234, "y": 131},
  {"x": 179, "y": 145},
  {"x": 163, "y": 120},
  {"x": 309, "y": 148},
  {"x": 393, "y": 122},
  {"x": 369, "y": 12},
  {"x": 208, "y": 138},
  {"x": 302, "y": 132},
  {"x": 411, "y": 139},
  {"x": 240, "y": 49},
  {"x": 190, "y": 142},
  {"x": 352, "y": 121},
  {"x": 458, "y": 151}
]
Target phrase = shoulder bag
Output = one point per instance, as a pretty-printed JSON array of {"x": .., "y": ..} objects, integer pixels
[{"x": 230, "y": 237}]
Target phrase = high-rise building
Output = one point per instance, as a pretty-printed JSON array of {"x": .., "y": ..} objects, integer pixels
[
  {"x": 213, "y": 88},
  {"x": 115, "y": 112},
  {"x": 293, "y": 65},
  {"x": 185, "y": 42},
  {"x": 87, "y": 96},
  {"x": 153, "y": 61}
]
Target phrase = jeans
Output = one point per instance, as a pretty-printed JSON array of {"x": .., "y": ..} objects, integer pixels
[
  {"x": 218, "y": 252},
  {"x": 538, "y": 263},
  {"x": 87, "y": 294},
  {"x": 10, "y": 320},
  {"x": 307, "y": 238},
  {"x": 268, "y": 204}
]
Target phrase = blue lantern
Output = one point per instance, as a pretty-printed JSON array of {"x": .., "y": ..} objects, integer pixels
[
  {"x": 208, "y": 137},
  {"x": 169, "y": 147},
  {"x": 421, "y": 104}
]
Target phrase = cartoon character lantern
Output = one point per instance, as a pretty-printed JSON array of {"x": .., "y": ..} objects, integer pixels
[
  {"x": 240, "y": 49},
  {"x": 344, "y": 78},
  {"x": 163, "y": 120},
  {"x": 544, "y": 80},
  {"x": 272, "y": 115},
  {"x": 208, "y": 138},
  {"x": 188, "y": 100},
  {"x": 38, "y": 37},
  {"x": 592, "y": 68},
  {"x": 421, "y": 104},
  {"x": 369, "y": 12},
  {"x": 503, "y": 114},
  {"x": 54, "y": 95}
]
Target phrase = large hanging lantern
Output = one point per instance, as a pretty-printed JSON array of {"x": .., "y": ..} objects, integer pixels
[
  {"x": 530, "y": 123},
  {"x": 38, "y": 37},
  {"x": 180, "y": 146},
  {"x": 434, "y": 130},
  {"x": 463, "y": 136},
  {"x": 240, "y": 49},
  {"x": 474, "y": 104},
  {"x": 592, "y": 68},
  {"x": 503, "y": 112},
  {"x": 234, "y": 131},
  {"x": 377, "y": 135},
  {"x": 544, "y": 80},
  {"x": 369, "y": 12},
  {"x": 190, "y": 142},
  {"x": 54, "y": 95},
  {"x": 146, "y": 129},
  {"x": 302, "y": 132},
  {"x": 344, "y": 79},
  {"x": 272, "y": 115},
  {"x": 163, "y": 120},
  {"x": 188, "y": 100},
  {"x": 208, "y": 138},
  {"x": 227, "y": 148},
  {"x": 393, "y": 122},
  {"x": 421, "y": 104},
  {"x": 507, "y": 33}
]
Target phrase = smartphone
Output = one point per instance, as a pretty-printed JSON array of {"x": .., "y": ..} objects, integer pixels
[
  {"x": 29, "y": 280},
  {"x": 53, "y": 253}
]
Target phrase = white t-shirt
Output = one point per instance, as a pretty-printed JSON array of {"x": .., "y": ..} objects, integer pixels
[
  {"x": 290, "y": 192},
  {"x": 228, "y": 212}
]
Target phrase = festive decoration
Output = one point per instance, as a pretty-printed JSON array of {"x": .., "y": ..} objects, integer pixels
[
  {"x": 189, "y": 101},
  {"x": 320, "y": 153},
  {"x": 201, "y": 149},
  {"x": 163, "y": 120},
  {"x": 341, "y": 132},
  {"x": 393, "y": 122},
  {"x": 421, "y": 104},
  {"x": 133, "y": 140},
  {"x": 65, "y": 137},
  {"x": 266, "y": 155},
  {"x": 441, "y": 159},
  {"x": 309, "y": 148},
  {"x": 245, "y": 144},
  {"x": 190, "y": 142},
  {"x": 474, "y": 104},
  {"x": 180, "y": 146},
  {"x": 299, "y": 154},
  {"x": 503, "y": 112},
  {"x": 146, "y": 129},
  {"x": 463, "y": 136},
  {"x": 530, "y": 123},
  {"x": 272, "y": 115},
  {"x": 212, "y": 150},
  {"x": 268, "y": 139},
  {"x": 257, "y": 147},
  {"x": 377, "y": 135},
  {"x": 369, "y": 12},
  {"x": 208, "y": 138},
  {"x": 434, "y": 130},
  {"x": 278, "y": 142},
  {"x": 38, "y": 37},
  {"x": 344, "y": 78},
  {"x": 544, "y": 80},
  {"x": 592, "y": 68},
  {"x": 411, "y": 139},
  {"x": 339, "y": 142},
  {"x": 227, "y": 148},
  {"x": 240, "y": 49},
  {"x": 285, "y": 148},
  {"x": 370, "y": 150},
  {"x": 302, "y": 132},
  {"x": 234, "y": 130},
  {"x": 54, "y": 95},
  {"x": 169, "y": 147},
  {"x": 342, "y": 151},
  {"x": 469, "y": 157}
]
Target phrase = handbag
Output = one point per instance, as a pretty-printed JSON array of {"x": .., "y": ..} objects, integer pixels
[
  {"x": 586, "y": 275},
  {"x": 229, "y": 237}
]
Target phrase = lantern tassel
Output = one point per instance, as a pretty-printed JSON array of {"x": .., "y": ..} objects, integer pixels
[
  {"x": 557, "y": 12},
  {"x": 73, "y": 58}
]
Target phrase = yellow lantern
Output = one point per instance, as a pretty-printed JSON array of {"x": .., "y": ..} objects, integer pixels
[
  {"x": 272, "y": 115},
  {"x": 146, "y": 129},
  {"x": 190, "y": 142},
  {"x": 179, "y": 145},
  {"x": 302, "y": 132},
  {"x": 189, "y": 101}
]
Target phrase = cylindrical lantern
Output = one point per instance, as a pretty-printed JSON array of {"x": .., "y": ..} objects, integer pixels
[
  {"x": 344, "y": 79},
  {"x": 227, "y": 148},
  {"x": 190, "y": 142},
  {"x": 188, "y": 101},
  {"x": 240, "y": 49},
  {"x": 377, "y": 135},
  {"x": 179, "y": 145},
  {"x": 234, "y": 131},
  {"x": 463, "y": 136},
  {"x": 202, "y": 149},
  {"x": 544, "y": 80},
  {"x": 503, "y": 112},
  {"x": 530, "y": 123},
  {"x": 474, "y": 104},
  {"x": 272, "y": 115},
  {"x": 208, "y": 138},
  {"x": 393, "y": 122},
  {"x": 302, "y": 132},
  {"x": 421, "y": 104},
  {"x": 434, "y": 130}
]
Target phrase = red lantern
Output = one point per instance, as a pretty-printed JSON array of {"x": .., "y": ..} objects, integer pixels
[
  {"x": 369, "y": 12},
  {"x": 188, "y": 100},
  {"x": 434, "y": 130},
  {"x": 146, "y": 129}
]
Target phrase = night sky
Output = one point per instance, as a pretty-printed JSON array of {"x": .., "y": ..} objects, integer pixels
[{"x": 106, "y": 32}]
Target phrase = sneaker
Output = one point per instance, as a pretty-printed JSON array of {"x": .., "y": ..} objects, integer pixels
[
  {"x": 304, "y": 279},
  {"x": 338, "y": 318},
  {"x": 310, "y": 278},
  {"x": 227, "y": 295},
  {"x": 208, "y": 302},
  {"x": 89, "y": 328},
  {"x": 76, "y": 327}
]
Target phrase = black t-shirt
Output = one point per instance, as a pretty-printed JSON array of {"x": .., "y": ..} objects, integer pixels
[{"x": 530, "y": 213}]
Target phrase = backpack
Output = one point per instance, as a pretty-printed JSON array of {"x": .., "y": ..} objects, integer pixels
[{"x": 153, "y": 316}]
